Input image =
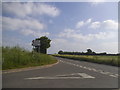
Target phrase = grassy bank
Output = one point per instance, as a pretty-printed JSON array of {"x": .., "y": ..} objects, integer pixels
[
  {"x": 17, "y": 57},
  {"x": 110, "y": 60}
]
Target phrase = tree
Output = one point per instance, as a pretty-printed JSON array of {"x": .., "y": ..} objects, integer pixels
[
  {"x": 60, "y": 52},
  {"x": 44, "y": 44},
  {"x": 89, "y": 51}
]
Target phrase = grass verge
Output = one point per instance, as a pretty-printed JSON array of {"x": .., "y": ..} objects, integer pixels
[
  {"x": 16, "y": 57},
  {"x": 109, "y": 60}
]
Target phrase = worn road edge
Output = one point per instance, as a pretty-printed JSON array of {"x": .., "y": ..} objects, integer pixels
[{"x": 28, "y": 68}]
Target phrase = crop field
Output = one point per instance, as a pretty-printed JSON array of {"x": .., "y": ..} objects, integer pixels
[
  {"x": 17, "y": 57},
  {"x": 110, "y": 60}
]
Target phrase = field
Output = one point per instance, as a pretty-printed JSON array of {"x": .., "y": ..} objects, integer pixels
[
  {"x": 17, "y": 57},
  {"x": 110, "y": 60}
]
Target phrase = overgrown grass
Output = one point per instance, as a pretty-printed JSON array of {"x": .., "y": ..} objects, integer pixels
[
  {"x": 110, "y": 60},
  {"x": 17, "y": 57}
]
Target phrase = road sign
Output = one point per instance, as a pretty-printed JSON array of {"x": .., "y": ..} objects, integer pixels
[{"x": 36, "y": 42}]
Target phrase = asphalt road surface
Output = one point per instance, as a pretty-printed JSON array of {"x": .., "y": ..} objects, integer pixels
[{"x": 67, "y": 73}]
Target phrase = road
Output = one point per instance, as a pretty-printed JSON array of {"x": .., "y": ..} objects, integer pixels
[{"x": 67, "y": 73}]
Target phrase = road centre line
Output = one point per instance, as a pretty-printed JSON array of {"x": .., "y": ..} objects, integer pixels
[{"x": 92, "y": 69}]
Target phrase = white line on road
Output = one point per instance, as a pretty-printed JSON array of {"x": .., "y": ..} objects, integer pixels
[
  {"x": 92, "y": 69},
  {"x": 66, "y": 76}
]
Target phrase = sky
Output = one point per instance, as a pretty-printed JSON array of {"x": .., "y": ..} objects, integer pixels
[{"x": 72, "y": 26}]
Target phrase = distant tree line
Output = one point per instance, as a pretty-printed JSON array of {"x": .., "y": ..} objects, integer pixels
[{"x": 89, "y": 52}]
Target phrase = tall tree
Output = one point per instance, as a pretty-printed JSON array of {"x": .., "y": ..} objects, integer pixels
[{"x": 44, "y": 44}]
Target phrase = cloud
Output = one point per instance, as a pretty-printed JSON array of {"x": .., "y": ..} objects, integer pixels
[
  {"x": 108, "y": 30},
  {"x": 25, "y": 18},
  {"x": 103, "y": 38},
  {"x": 34, "y": 33},
  {"x": 79, "y": 24},
  {"x": 17, "y": 9},
  {"x": 47, "y": 9},
  {"x": 99, "y": 42},
  {"x": 65, "y": 45},
  {"x": 27, "y": 32},
  {"x": 72, "y": 34},
  {"x": 82, "y": 23},
  {"x": 96, "y": 2},
  {"x": 26, "y": 9},
  {"x": 95, "y": 25},
  {"x": 110, "y": 24},
  {"x": 69, "y": 45},
  {"x": 106, "y": 25},
  {"x": 16, "y": 23},
  {"x": 24, "y": 26},
  {"x": 89, "y": 21}
]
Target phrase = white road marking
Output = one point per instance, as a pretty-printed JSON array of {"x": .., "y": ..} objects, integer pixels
[
  {"x": 55, "y": 78},
  {"x": 92, "y": 69},
  {"x": 113, "y": 76},
  {"x": 85, "y": 75},
  {"x": 66, "y": 76}
]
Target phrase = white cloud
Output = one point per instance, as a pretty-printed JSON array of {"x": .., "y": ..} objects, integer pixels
[
  {"x": 89, "y": 21},
  {"x": 79, "y": 24},
  {"x": 18, "y": 9},
  {"x": 105, "y": 25},
  {"x": 107, "y": 31},
  {"x": 24, "y": 9},
  {"x": 34, "y": 33},
  {"x": 65, "y": 45},
  {"x": 102, "y": 40},
  {"x": 48, "y": 10},
  {"x": 96, "y": 2},
  {"x": 73, "y": 34},
  {"x": 82, "y": 23},
  {"x": 110, "y": 24},
  {"x": 27, "y": 32},
  {"x": 15, "y": 24},
  {"x": 81, "y": 45},
  {"x": 95, "y": 25},
  {"x": 25, "y": 27},
  {"x": 69, "y": 45}
]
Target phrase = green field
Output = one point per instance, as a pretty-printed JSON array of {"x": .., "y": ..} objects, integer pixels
[
  {"x": 16, "y": 57},
  {"x": 110, "y": 60}
]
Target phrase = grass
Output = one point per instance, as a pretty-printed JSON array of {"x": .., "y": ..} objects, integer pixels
[
  {"x": 109, "y": 60},
  {"x": 16, "y": 57}
]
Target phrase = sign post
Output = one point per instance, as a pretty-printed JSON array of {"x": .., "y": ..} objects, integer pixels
[{"x": 36, "y": 43}]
